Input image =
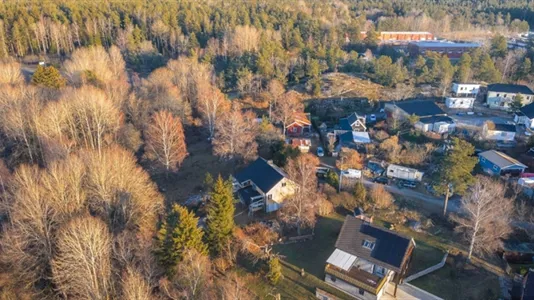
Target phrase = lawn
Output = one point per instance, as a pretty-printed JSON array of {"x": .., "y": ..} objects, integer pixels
[
  {"x": 312, "y": 255},
  {"x": 467, "y": 283},
  {"x": 424, "y": 257}
]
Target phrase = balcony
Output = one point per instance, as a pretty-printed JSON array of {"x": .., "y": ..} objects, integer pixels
[{"x": 358, "y": 278}]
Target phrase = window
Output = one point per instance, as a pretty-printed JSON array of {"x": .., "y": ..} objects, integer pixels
[
  {"x": 379, "y": 270},
  {"x": 361, "y": 292},
  {"x": 482, "y": 159},
  {"x": 333, "y": 278},
  {"x": 269, "y": 197},
  {"x": 368, "y": 244},
  {"x": 495, "y": 168},
  {"x": 325, "y": 298},
  {"x": 503, "y": 133},
  {"x": 283, "y": 184},
  {"x": 498, "y": 95}
]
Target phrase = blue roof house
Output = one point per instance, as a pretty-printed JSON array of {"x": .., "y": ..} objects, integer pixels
[{"x": 497, "y": 163}]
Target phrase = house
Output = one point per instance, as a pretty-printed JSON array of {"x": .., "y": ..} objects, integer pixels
[
  {"x": 405, "y": 173},
  {"x": 437, "y": 124},
  {"x": 500, "y": 95},
  {"x": 497, "y": 163},
  {"x": 498, "y": 132},
  {"x": 353, "y": 139},
  {"x": 353, "y": 122},
  {"x": 303, "y": 144},
  {"x": 463, "y": 95},
  {"x": 262, "y": 186},
  {"x": 453, "y": 50},
  {"x": 367, "y": 258},
  {"x": 431, "y": 117},
  {"x": 300, "y": 125},
  {"x": 525, "y": 116}
]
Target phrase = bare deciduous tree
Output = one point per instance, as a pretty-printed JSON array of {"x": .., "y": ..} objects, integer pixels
[
  {"x": 166, "y": 140},
  {"x": 233, "y": 287},
  {"x": 135, "y": 287},
  {"x": 275, "y": 89},
  {"x": 82, "y": 266},
  {"x": 485, "y": 218},
  {"x": 235, "y": 135},
  {"x": 300, "y": 208},
  {"x": 289, "y": 104},
  {"x": 211, "y": 104},
  {"x": 379, "y": 197},
  {"x": 10, "y": 73},
  {"x": 349, "y": 159}
]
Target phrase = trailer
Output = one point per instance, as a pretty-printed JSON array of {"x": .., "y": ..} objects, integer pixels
[{"x": 405, "y": 173}]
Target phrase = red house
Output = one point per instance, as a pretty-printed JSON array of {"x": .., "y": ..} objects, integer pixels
[{"x": 301, "y": 125}]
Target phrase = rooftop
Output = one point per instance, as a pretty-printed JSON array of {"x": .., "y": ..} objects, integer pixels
[
  {"x": 528, "y": 110},
  {"x": 443, "y": 44},
  {"x": 435, "y": 119},
  {"x": 500, "y": 159},
  {"x": 504, "y": 127},
  {"x": 390, "y": 248},
  {"x": 510, "y": 88},
  {"x": 263, "y": 174},
  {"x": 420, "y": 108}
]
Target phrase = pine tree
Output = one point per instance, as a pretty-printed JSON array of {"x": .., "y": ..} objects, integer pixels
[
  {"x": 360, "y": 193},
  {"x": 178, "y": 234},
  {"x": 275, "y": 270},
  {"x": 48, "y": 77},
  {"x": 220, "y": 215},
  {"x": 454, "y": 175}
]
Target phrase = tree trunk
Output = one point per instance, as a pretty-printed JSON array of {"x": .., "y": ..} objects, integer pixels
[
  {"x": 471, "y": 246},
  {"x": 446, "y": 201}
]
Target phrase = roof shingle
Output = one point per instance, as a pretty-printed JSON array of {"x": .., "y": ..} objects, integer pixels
[
  {"x": 264, "y": 175},
  {"x": 390, "y": 248}
]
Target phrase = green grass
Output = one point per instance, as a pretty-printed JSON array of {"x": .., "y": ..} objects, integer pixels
[
  {"x": 424, "y": 256},
  {"x": 470, "y": 283},
  {"x": 312, "y": 255}
]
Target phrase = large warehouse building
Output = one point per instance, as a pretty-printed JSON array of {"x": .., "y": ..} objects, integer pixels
[{"x": 452, "y": 49}]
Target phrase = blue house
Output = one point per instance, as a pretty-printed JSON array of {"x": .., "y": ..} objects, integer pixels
[{"x": 498, "y": 164}]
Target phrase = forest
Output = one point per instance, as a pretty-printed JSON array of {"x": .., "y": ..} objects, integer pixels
[{"x": 125, "y": 85}]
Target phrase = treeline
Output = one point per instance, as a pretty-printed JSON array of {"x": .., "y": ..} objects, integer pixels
[{"x": 258, "y": 41}]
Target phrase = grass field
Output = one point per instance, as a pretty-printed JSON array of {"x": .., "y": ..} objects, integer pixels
[{"x": 470, "y": 282}]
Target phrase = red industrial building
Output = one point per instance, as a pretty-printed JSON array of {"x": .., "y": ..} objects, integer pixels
[
  {"x": 397, "y": 37},
  {"x": 453, "y": 50}
]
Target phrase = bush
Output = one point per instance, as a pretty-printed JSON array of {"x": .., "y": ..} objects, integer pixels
[
  {"x": 325, "y": 207},
  {"x": 275, "y": 271},
  {"x": 381, "y": 198},
  {"x": 332, "y": 179}
]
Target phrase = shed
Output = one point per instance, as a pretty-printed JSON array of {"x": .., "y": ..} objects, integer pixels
[{"x": 497, "y": 163}]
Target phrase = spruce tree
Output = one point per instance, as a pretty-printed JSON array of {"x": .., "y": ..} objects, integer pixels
[
  {"x": 178, "y": 234},
  {"x": 220, "y": 215},
  {"x": 48, "y": 77}
]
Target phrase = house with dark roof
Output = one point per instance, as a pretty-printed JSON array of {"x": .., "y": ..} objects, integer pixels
[
  {"x": 262, "y": 186},
  {"x": 431, "y": 118},
  {"x": 500, "y": 95},
  {"x": 524, "y": 289},
  {"x": 525, "y": 116},
  {"x": 497, "y": 163},
  {"x": 352, "y": 122},
  {"x": 366, "y": 258},
  {"x": 498, "y": 132},
  {"x": 300, "y": 125}
]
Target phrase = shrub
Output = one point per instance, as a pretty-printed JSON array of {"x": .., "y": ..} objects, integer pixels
[
  {"x": 275, "y": 271},
  {"x": 381, "y": 198},
  {"x": 332, "y": 179}
]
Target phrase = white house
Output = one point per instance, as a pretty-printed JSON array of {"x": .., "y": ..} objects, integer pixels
[
  {"x": 262, "y": 185},
  {"x": 437, "y": 124},
  {"x": 501, "y": 95},
  {"x": 405, "y": 173},
  {"x": 462, "y": 96},
  {"x": 525, "y": 116},
  {"x": 366, "y": 259},
  {"x": 498, "y": 132}
]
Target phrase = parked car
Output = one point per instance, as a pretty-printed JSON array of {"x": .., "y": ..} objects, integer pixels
[
  {"x": 407, "y": 183},
  {"x": 381, "y": 180},
  {"x": 372, "y": 118},
  {"x": 320, "y": 151}
]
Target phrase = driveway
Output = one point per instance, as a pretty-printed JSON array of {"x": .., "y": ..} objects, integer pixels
[
  {"x": 407, "y": 291},
  {"x": 478, "y": 121}
]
